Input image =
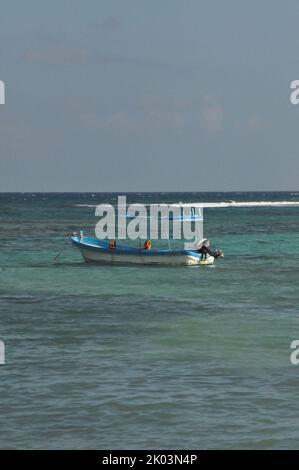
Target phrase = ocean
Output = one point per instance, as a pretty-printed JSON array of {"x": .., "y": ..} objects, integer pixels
[{"x": 149, "y": 357}]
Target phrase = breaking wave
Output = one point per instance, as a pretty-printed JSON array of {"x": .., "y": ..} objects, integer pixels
[{"x": 230, "y": 204}]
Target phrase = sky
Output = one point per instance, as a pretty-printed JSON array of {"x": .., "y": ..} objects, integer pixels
[{"x": 160, "y": 95}]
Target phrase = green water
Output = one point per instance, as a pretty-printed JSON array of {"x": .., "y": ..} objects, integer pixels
[{"x": 136, "y": 357}]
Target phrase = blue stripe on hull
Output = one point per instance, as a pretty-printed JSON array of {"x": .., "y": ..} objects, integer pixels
[{"x": 102, "y": 246}]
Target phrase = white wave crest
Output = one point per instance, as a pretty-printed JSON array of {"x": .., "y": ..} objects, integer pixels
[{"x": 229, "y": 204}]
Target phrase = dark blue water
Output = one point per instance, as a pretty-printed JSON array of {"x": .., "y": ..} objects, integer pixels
[{"x": 136, "y": 357}]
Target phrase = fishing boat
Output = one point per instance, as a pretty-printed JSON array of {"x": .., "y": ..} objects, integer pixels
[{"x": 101, "y": 251}]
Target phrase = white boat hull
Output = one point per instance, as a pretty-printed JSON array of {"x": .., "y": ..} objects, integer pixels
[
  {"x": 114, "y": 258},
  {"x": 98, "y": 251}
]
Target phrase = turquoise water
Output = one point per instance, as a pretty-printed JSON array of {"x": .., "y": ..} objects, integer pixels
[{"x": 136, "y": 357}]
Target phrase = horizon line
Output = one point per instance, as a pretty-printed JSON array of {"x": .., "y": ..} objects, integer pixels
[{"x": 151, "y": 192}]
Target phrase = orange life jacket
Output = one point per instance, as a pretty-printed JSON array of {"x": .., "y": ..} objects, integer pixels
[
  {"x": 147, "y": 245},
  {"x": 112, "y": 245}
]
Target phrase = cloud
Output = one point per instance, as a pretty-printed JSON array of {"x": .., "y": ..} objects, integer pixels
[
  {"x": 58, "y": 56},
  {"x": 53, "y": 36},
  {"x": 120, "y": 120},
  {"x": 178, "y": 120},
  {"x": 108, "y": 23},
  {"x": 212, "y": 117},
  {"x": 80, "y": 55},
  {"x": 123, "y": 120},
  {"x": 117, "y": 120},
  {"x": 160, "y": 118},
  {"x": 256, "y": 122}
]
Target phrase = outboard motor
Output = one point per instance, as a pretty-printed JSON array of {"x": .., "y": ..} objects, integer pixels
[
  {"x": 203, "y": 247},
  {"x": 218, "y": 254}
]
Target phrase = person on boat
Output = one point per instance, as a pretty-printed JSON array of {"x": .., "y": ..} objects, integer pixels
[
  {"x": 204, "y": 251},
  {"x": 147, "y": 245},
  {"x": 112, "y": 245}
]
